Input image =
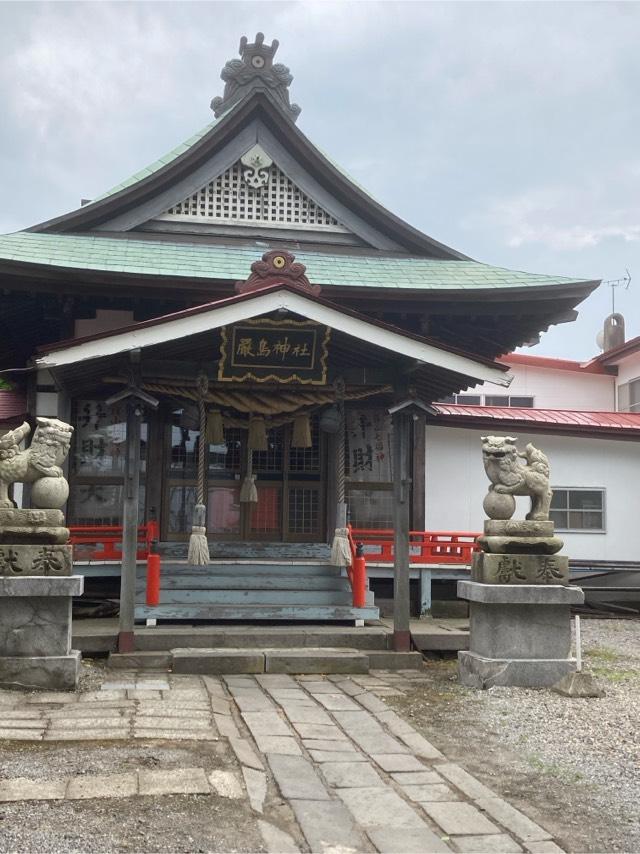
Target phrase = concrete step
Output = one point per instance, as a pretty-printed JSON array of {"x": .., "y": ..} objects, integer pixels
[
  {"x": 227, "y": 660},
  {"x": 100, "y": 636},
  {"x": 169, "y": 637},
  {"x": 313, "y": 613},
  {"x": 308, "y": 660}
]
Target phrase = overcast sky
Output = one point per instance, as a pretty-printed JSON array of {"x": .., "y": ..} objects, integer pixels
[{"x": 510, "y": 131}]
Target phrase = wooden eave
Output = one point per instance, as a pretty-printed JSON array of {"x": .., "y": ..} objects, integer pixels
[
  {"x": 366, "y": 348},
  {"x": 487, "y": 321},
  {"x": 258, "y": 105}
]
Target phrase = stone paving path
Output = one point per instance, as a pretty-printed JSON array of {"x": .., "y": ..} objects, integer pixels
[{"x": 356, "y": 776}]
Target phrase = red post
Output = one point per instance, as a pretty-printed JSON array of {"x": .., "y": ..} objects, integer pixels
[
  {"x": 359, "y": 578},
  {"x": 153, "y": 580}
]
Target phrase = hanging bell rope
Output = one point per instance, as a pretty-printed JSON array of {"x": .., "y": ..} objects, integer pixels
[
  {"x": 198, "y": 554},
  {"x": 249, "y": 490},
  {"x": 340, "y": 548}
]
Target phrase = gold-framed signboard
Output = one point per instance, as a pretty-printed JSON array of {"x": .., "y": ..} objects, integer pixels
[{"x": 281, "y": 351}]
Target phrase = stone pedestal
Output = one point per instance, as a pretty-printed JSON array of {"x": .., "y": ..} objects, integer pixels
[
  {"x": 35, "y": 632},
  {"x": 520, "y": 634}
]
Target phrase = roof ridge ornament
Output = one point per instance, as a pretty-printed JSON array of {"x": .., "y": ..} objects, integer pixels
[
  {"x": 254, "y": 71},
  {"x": 277, "y": 267}
]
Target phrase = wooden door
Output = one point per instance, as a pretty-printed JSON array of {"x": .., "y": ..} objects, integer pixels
[{"x": 291, "y": 485}]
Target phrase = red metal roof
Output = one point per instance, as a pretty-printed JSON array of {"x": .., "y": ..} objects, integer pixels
[
  {"x": 13, "y": 406},
  {"x": 591, "y": 367},
  {"x": 617, "y": 354},
  {"x": 554, "y": 419}
]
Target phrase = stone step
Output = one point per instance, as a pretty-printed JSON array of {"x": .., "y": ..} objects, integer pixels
[{"x": 297, "y": 612}]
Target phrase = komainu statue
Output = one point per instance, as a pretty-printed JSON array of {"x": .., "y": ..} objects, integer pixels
[
  {"x": 509, "y": 476},
  {"x": 42, "y": 459}
]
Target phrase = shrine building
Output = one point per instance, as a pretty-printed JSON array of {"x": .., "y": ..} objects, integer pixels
[{"x": 240, "y": 327}]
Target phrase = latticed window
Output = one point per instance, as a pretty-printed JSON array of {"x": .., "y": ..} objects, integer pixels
[{"x": 279, "y": 202}]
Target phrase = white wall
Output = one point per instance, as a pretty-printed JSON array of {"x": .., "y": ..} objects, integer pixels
[
  {"x": 553, "y": 389},
  {"x": 457, "y": 483},
  {"x": 629, "y": 368}
]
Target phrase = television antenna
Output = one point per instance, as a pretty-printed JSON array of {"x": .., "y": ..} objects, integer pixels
[{"x": 624, "y": 282}]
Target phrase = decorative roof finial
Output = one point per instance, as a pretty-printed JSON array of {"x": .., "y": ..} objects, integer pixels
[{"x": 255, "y": 70}]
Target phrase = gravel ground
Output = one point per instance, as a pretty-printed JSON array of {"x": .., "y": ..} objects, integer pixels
[
  {"x": 180, "y": 823},
  {"x": 575, "y": 762}
]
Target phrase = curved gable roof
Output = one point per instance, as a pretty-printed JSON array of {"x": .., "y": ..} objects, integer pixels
[{"x": 178, "y": 164}]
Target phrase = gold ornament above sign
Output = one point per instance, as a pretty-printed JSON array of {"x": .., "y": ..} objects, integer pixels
[{"x": 282, "y": 351}]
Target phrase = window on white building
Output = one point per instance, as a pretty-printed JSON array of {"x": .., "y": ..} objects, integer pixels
[
  {"x": 578, "y": 509},
  {"x": 519, "y": 401},
  {"x": 629, "y": 396}
]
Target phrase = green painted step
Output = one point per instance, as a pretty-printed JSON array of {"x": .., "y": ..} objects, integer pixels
[
  {"x": 252, "y": 551},
  {"x": 239, "y": 569},
  {"x": 255, "y": 597},
  {"x": 338, "y": 613},
  {"x": 264, "y": 581}
]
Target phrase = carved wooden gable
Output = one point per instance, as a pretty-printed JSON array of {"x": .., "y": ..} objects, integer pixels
[{"x": 254, "y": 191}]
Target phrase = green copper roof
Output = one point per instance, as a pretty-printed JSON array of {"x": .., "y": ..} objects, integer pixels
[
  {"x": 185, "y": 146},
  {"x": 158, "y": 164},
  {"x": 158, "y": 258}
]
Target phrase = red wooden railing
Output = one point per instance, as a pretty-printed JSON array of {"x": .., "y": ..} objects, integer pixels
[
  {"x": 425, "y": 547},
  {"x": 104, "y": 542}
]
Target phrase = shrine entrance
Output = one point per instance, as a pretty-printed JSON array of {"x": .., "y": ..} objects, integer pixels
[{"x": 290, "y": 484}]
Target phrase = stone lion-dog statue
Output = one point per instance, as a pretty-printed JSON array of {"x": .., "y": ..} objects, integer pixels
[
  {"x": 43, "y": 458},
  {"x": 509, "y": 476}
]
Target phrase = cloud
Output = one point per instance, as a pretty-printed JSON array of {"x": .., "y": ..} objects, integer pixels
[{"x": 568, "y": 218}]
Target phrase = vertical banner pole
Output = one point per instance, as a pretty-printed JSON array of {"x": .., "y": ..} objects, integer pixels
[
  {"x": 401, "y": 494},
  {"x": 130, "y": 527}
]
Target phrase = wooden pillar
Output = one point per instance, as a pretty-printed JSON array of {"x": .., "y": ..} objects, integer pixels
[
  {"x": 401, "y": 513},
  {"x": 130, "y": 526},
  {"x": 418, "y": 496},
  {"x": 155, "y": 463}
]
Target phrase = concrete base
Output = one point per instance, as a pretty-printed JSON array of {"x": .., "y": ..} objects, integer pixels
[
  {"x": 45, "y": 672},
  {"x": 217, "y": 661},
  {"x": 35, "y": 632},
  {"x": 519, "y": 634},
  {"x": 475, "y": 671},
  {"x": 316, "y": 661},
  {"x": 390, "y": 660}
]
